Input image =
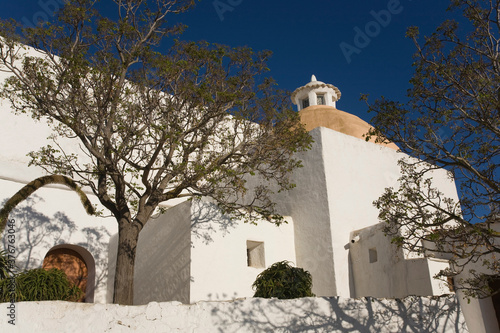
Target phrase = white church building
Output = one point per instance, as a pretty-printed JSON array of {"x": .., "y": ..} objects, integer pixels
[
  {"x": 193, "y": 253},
  {"x": 332, "y": 231}
]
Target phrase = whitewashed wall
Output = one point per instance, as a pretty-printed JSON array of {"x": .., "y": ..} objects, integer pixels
[
  {"x": 252, "y": 315},
  {"x": 163, "y": 261},
  {"x": 308, "y": 204},
  {"x": 480, "y": 312},
  {"x": 195, "y": 253},
  {"x": 341, "y": 177},
  {"x": 219, "y": 269},
  {"x": 357, "y": 172},
  {"x": 53, "y": 215},
  {"x": 390, "y": 273}
]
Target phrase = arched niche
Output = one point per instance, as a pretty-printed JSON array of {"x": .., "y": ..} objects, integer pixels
[{"x": 77, "y": 263}]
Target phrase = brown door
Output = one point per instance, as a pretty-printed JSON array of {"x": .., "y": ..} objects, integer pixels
[{"x": 72, "y": 264}]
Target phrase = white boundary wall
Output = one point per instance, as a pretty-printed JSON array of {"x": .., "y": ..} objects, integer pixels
[{"x": 321, "y": 314}]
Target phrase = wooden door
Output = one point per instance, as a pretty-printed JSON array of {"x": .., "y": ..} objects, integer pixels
[{"x": 72, "y": 263}]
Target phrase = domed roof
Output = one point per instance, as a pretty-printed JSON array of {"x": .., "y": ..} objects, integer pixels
[{"x": 337, "y": 120}]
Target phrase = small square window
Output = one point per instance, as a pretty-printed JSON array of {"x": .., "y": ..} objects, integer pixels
[
  {"x": 305, "y": 103},
  {"x": 372, "y": 255},
  {"x": 255, "y": 254},
  {"x": 320, "y": 99}
]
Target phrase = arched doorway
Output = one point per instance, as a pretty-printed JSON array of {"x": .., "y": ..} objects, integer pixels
[{"x": 74, "y": 261}]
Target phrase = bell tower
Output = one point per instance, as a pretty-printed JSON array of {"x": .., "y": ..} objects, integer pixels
[{"x": 315, "y": 93}]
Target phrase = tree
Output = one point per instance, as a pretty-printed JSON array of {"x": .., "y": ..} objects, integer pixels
[
  {"x": 451, "y": 121},
  {"x": 36, "y": 184},
  {"x": 198, "y": 120}
]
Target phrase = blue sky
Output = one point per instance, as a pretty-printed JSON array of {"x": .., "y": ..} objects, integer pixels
[{"x": 308, "y": 37}]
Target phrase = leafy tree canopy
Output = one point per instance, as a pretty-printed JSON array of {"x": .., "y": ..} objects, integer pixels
[
  {"x": 451, "y": 121},
  {"x": 195, "y": 120}
]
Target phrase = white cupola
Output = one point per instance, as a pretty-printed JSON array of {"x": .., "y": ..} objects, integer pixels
[{"x": 315, "y": 93}]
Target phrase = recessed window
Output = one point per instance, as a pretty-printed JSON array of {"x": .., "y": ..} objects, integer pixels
[
  {"x": 320, "y": 99},
  {"x": 372, "y": 255},
  {"x": 451, "y": 284},
  {"x": 255, "y": 254},
  {"x": 305, "y": 103}
]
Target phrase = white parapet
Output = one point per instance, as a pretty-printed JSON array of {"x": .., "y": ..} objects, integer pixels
[{"x": 321, "y": 314}]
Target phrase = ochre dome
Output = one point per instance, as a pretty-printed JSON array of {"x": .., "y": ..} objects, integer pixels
[{"x": 340, "y": 121}]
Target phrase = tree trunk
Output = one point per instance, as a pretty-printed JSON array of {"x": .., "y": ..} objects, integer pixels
[{"x": 128, "y": 235}]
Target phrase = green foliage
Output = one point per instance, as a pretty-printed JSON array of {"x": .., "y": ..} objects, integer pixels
[
  {"x": 152, "y": 125},
  {"x": 40, "y": 285},
  {"x": 283, "y": 281},
  {"x": 451, "y": 120},
  {"x": 5, "y": 268}
]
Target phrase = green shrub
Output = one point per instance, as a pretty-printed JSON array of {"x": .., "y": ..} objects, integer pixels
[
  {"x": 283, "y": 281},
  {"x": 40, "y": 285},
  {"x": 6, "y": 267}
]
